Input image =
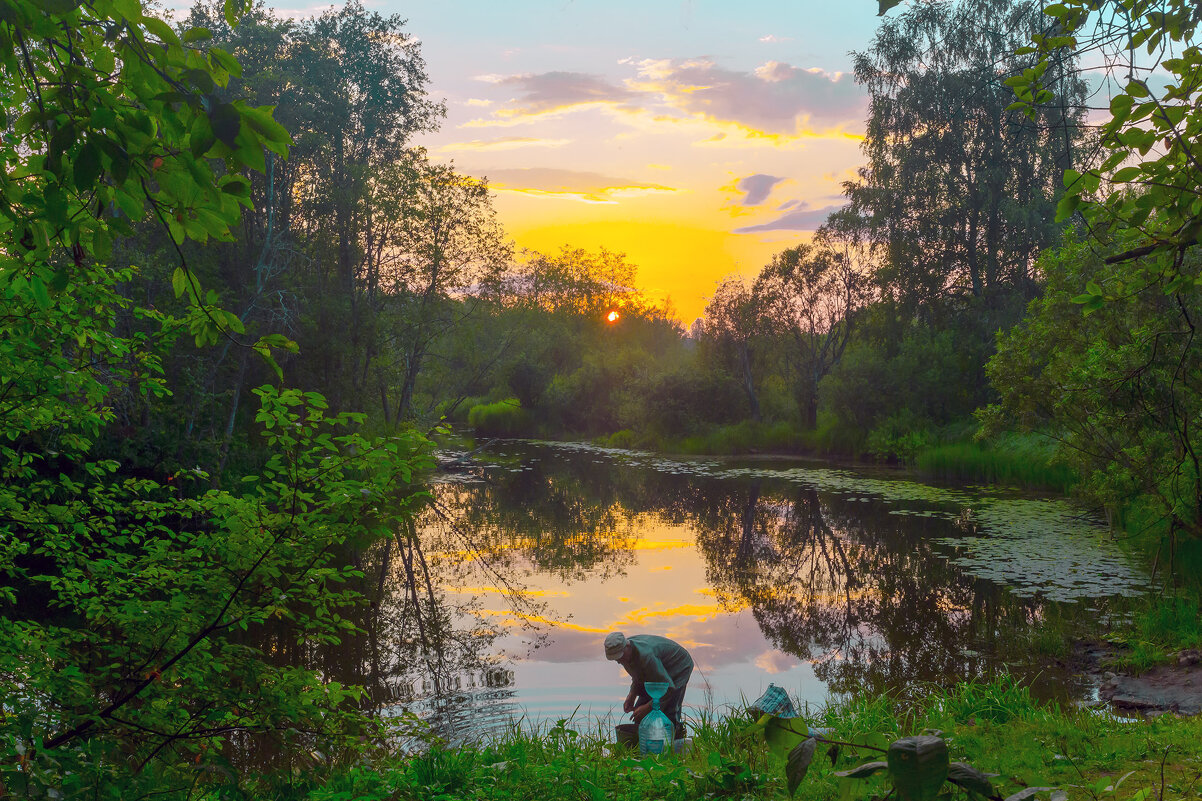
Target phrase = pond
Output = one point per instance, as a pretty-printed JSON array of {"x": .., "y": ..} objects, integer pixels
[{"x": 821, "y": 579}]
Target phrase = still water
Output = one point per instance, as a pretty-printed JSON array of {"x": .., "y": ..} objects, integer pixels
[{"x": 823, "y": 580}]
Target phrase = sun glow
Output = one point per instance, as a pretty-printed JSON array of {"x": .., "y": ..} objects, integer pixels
[{"x": 612, "y": 317}]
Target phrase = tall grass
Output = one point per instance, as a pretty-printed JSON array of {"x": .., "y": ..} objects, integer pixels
[
  {"x": 504, "y": 418},
  {"x": 748, "y": 436},
  {"x": 1020, "y": 460}
]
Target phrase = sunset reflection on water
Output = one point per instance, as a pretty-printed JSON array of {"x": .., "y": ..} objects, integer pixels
[{"x": 823, "y": 581}]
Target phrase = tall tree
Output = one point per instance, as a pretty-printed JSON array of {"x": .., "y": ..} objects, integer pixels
[
  {"x": 733, "y": 331},
  {"x": 959, "y": 187},
  {"x": 448, "y": 254},
  {"x": 810, "y": 296}
]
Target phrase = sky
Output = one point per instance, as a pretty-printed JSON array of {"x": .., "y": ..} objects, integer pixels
[{"x": 698, "y": 137}]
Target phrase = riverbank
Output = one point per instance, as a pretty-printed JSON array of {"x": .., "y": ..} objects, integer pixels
[
  {"x": 996, "y": 727},
  {"x": 951, "y": 453}
]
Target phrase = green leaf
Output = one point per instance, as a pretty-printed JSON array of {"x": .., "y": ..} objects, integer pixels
[
  {"x": 782, "y": 734},
  {"x": 40, "y": 295},
  {"x": 201, "y": 138},
  {"x": 226, "y": 122},
  {"x": 87, "y": 166},
  {"x": 918, "y": 767},
  {"x": 226, "y": 61},
  {"x": 863, "y": 771},
  {"x": 970, "y": 778},
  {"x": 799, "y": 762},
  {"x": 233, "y": 10},
  {"x": 160, "y": 29},
  {"x": 179, "y": 281},
  {"x": 1067, "y": 206},
  {"x": 130, "y": 9},
  {"x": 885, "y": 5},
  {"x": 261, "y": 122},
  {"x": 197, "y": 35}
]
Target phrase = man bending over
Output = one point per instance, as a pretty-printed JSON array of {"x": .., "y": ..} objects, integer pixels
[{"x": 648, "y": 657}]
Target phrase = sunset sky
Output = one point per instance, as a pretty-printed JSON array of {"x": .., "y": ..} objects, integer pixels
[{"x": 696, "y": 136}]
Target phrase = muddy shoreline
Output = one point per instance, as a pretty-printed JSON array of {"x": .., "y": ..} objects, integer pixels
[{"x": 1174, "y": 687}]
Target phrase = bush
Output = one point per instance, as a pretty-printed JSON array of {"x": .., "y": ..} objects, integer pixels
[
  {"x": 898, "y": 437},
  {"x": 504, "y": 418}
]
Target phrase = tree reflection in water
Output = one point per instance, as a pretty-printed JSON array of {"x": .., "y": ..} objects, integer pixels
[
  {"x": 854, "y": 589},
  {"x": 834, "y": 580}
]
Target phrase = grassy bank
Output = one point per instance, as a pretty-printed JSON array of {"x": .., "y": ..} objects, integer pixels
[
  {"x": 996, "y": 727},
  {"x": 1019, "y": 460}
]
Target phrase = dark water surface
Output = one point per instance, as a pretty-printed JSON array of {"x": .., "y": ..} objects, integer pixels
[{"x": 820, "y": 579}]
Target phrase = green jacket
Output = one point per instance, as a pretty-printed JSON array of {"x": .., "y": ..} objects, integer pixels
[{"x": 658, "y": 659}]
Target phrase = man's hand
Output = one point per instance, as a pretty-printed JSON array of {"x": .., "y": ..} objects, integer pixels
[
  {"x": 640, "y": 712},
  {"x": 628, "y": 704}
]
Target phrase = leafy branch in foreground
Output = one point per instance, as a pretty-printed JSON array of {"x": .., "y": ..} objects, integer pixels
[{"x": 129, "y": 596}]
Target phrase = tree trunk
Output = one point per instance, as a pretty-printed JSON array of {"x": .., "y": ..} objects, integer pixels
[{"x": 748, "y": 384}]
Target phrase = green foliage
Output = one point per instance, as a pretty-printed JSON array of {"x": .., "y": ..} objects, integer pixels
[
  {"x": 918, "y": 767},
  {"x": 899, "y": 437},
  {"x": 745, "y": 437},
  {"x": 1142, "y": 189},
  {"x": 1159, "y": 629},
  {"x": 122, "y": 130},
  {"x": 130, "y": 594},
  {"x": 504, "y": 418},
  {"x": 1014, "y": 459},
  {"x": 1109, "y": 386}
]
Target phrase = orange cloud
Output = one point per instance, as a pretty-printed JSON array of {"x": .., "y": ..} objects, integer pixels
[
  {"x": 506, "y": 143},
  {"x": 589, "y": 187}
]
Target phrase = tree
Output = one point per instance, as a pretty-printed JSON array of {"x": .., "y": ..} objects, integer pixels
[
  {"x": 1118, "y": 385},
  {"x": 811, "y": 295},
  {"x": 447, "y": 254},
  {"x": 125, "y": 590},
  {"x": 352, "y": 87},
  {"x": 959, "y": 187},
  {"x": 1119, "y": 388},
  {"x": 733, "y": 330},
  {"x": 1140, "y": 195}
]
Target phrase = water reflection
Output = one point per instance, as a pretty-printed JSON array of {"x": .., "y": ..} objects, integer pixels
[{"x": 524, "y": 569}]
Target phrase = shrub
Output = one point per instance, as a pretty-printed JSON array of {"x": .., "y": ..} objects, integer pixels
[{"x": 504, "y": 418}]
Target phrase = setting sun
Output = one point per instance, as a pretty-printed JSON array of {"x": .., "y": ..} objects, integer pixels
[{"x": 612, "y": 317}]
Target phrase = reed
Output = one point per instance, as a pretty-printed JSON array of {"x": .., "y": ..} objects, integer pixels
[{"x": 1019, "y": 460}]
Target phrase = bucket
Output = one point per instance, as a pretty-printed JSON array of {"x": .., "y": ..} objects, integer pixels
[{"x": 628, "y": 735}]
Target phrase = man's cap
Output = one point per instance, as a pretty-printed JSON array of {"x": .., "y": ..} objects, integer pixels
[{"x": 615, "y": 644}]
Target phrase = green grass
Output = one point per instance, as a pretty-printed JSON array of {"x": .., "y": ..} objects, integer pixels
[
  {"x": 994, "y": 726},
  {"x": 505, "y": 418},
  {"x": 748, "y": 436},
  {"x": 1159, "y": 628},
  {"x": 1021, "y": 460}
]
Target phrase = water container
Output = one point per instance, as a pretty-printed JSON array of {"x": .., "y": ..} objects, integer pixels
[{"x": 656, "y": 732}]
